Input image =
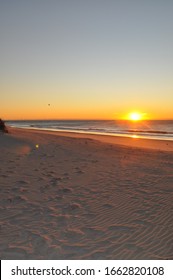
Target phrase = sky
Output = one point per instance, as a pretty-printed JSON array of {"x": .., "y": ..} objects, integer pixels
[{"x": 78, "y": 59}]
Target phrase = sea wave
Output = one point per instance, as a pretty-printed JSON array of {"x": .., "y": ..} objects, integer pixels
[{"x": 151, "y": 129}]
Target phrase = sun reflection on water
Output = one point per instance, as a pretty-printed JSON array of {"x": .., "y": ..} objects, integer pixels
[{"x": 135, "y": 136}]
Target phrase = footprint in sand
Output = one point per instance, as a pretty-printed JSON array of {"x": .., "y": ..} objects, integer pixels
[
  {"x": 17, "y": 199},
  {"x": 40, "y": 243},
  {"x": 57, "y": 197},
  {"x": 65, "y": 174},
  {"x": 21, "y": 182},
  {"x": 10, "y": 171},
  {"x": 23, "y": 190},
  {"x": 72, "y": 207},
  {"x": 78, "y": 170},
  {"x": 4, "y": 176},
  {"x": 54, "y": 181},
  {"x": 73, "y": 234},
  {"x": 66, "y": 190}
]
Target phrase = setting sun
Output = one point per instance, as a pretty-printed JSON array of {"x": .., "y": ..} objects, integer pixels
[{"x": 135, "y": 116}]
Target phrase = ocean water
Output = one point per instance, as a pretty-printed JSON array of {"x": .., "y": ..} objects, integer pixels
[{"x": 161, "y": 130}]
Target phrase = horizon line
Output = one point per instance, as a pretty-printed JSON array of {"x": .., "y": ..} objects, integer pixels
[{"x": 71, "y": 119}]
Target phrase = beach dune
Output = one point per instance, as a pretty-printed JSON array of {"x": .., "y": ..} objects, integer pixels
[{"x": 76, "y": 196}]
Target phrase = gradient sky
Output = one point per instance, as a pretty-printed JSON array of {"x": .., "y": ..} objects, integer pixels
[{"x": 94, "y": 59}]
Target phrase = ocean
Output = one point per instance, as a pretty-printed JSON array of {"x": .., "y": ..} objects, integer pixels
[{"x": 161, "y": 130}]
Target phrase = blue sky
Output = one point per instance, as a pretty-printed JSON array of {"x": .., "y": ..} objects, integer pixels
[{"x": 89, "y": 59}]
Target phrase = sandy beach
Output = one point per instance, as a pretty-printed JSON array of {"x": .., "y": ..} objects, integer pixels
[{"x": 76, "y": 196}]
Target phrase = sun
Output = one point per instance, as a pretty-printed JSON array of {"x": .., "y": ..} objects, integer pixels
[{"x": 135, "y": 116}]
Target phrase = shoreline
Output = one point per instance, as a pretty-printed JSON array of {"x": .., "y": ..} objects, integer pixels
[{"x": 156, "y": 144}]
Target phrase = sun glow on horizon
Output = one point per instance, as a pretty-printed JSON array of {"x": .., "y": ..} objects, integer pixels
[{"x": 135, "y": 116}]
